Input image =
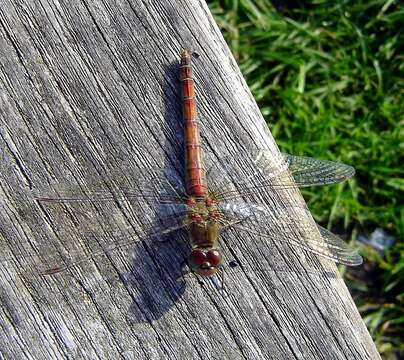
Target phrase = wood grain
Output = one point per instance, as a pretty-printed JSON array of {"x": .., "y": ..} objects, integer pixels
[{"x": 89, "y": 93}]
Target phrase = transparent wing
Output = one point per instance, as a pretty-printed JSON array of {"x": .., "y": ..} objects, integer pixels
[
  {"x": 238, "y": 211},
  {"x": 307, "y": 171},
  {"x": 259, "y": 170},
  {"x": 156, "y": 201},
  {"x": 340, "y": 251},
  {"x": 141, "y": 186},
  {"x": 122, "y": 243},
  {"x": 292, "y": 225},
  {"x": 90, "y": 244}
]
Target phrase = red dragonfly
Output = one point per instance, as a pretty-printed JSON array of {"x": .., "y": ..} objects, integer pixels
[{"x": 213, "y": 200}]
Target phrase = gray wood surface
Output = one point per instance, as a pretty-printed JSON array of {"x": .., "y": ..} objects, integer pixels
[{"x": 89, "y": 92}]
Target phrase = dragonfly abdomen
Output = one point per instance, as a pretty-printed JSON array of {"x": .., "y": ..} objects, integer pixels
[{"x": 195, "y": 179}]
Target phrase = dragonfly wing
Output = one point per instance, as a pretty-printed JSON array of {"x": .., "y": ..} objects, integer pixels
[
  {"x": 293, "y": 226},
  {"x": 93, "y": 244},
  {"x": 170, "y": 217},
  {"x": 340, "y": 251},
  {"x": 121, "y": 242},
  {"x": 259, "y": 218},
  {"x": 307, "y": 171},
  {"x": 259, "y": 170},
  {"x": 142, "y": 186},
  {"x": 240, "y": 171},
  {"x": 236, "y": 211}
]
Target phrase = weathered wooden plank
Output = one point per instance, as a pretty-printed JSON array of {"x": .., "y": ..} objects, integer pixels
[{"x": 89, "y": 92}]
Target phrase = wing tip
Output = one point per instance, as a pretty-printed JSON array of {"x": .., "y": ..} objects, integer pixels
[
  {"x": 350, "y": 171},
  {"x": 356, "y": 260}
]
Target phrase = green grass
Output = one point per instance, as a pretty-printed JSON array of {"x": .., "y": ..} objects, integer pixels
[{"x": 328, "y": 77}]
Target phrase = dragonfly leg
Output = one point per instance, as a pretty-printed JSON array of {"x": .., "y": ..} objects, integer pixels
[
  {"x": 222, "y": 273},
  {"x": 185, "y": 270},
  {"x": 219, "y": 279}
]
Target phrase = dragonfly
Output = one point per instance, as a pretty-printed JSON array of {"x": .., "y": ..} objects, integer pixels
[{"x": 212, "y": 199}]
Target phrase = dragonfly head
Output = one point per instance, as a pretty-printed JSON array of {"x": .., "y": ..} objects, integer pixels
[{"x": 205, "y": 262}]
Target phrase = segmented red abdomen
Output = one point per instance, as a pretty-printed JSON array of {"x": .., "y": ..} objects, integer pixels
[{"x": 195, "y": 179}]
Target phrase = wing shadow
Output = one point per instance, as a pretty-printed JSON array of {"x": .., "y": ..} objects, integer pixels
[{"x": 160, "y": 287}]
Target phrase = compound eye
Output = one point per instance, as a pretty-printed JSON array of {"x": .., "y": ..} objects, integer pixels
[
  {"x": 214, "y": 257},
  {"x": 197, "y": 258}
]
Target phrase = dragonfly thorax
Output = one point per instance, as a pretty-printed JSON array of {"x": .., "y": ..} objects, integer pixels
[
  {"x": 203, "y": 228},
  {"x": 203, "y": 210},
  {"x": 205, "y": 261}
]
